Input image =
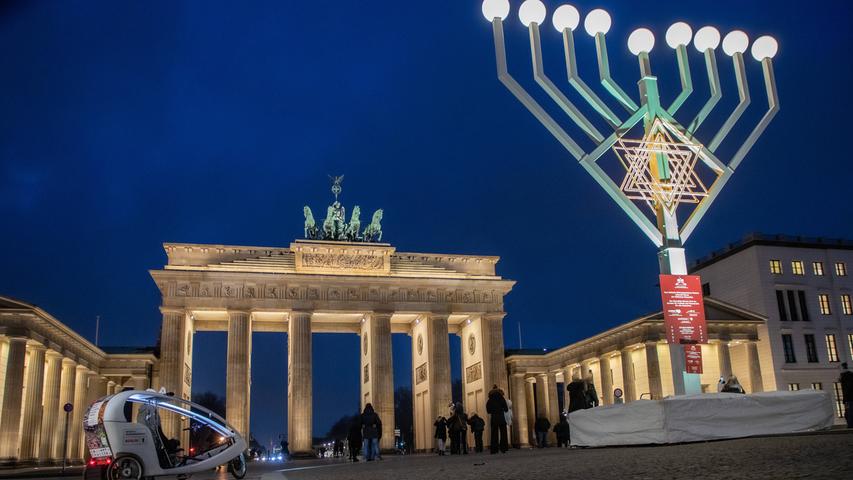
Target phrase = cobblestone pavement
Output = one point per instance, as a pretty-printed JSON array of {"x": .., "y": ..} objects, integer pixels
[{"x": 818, "y": 456}]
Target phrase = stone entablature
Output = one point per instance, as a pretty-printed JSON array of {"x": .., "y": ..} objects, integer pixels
[{"x": 342, "y": 258}]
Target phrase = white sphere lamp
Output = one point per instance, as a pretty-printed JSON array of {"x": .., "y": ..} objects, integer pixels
[
  {"x": 641, "y": 40},
  {"x": 566, "y": 16},
  {"x": 597, "y": 21},
  {"x": 764, "y": 47},
  {"x": 735, "y": 42},
  {"x": 531, "y": 11},
  {"x": 678, "y": 34},
  {"x": 706, "y": 38},
  {"x": 493, "y": 9}
]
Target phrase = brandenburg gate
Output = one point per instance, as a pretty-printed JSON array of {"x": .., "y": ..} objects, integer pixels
[{"x": 337, "y": 280}]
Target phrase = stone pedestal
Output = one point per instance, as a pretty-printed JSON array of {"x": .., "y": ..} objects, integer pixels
[
  {"x": 238, "y": 382},
  {"x": 299, "y": 388},
  {"x": 377, "y": 373},
  {"x": 10, "y": 422}
]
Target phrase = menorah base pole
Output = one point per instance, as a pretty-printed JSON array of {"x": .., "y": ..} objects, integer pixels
[{"x": 673, "y": 262}]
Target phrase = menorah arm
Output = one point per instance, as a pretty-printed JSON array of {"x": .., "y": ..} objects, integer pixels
[
  {"x": 716, "y": 93},
  {"x": 525, "y": 98},
  {"x": 743, "y": 94},
  {"x": 686, "y": 79},
  {"x": 604, "y": 73},
  {"x": 772, "y": 110},
  {"x": 580, "y": 86},
  {"x": 554, "y": 92}
]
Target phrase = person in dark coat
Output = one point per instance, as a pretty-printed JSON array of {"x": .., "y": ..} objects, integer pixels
[
  {"x": 577, "y": 395},
  {"x": 591, "y": 394},
  {"x": 371, "y": 430},
  {"x": 478, "y": 425},
  {"x": 459, "y": 430},
  {"x": 440, "y": 433},
  {"x": 561, "y": 429},
  {"x": 541, "y": 427},
  {"x": 846, "y": 381},
  {"x": 354, "y": 439},
  {"x": 496, "y": 407}
]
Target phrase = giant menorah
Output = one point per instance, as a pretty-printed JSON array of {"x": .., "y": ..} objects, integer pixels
[{"x": 661, "y": 167}]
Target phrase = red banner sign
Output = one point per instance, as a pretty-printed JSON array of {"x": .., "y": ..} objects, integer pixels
[
  {"x": 683, "y": 309},
  {"x": 693, "y": 358}
]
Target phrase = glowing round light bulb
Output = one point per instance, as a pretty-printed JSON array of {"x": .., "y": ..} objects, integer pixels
[
  {"x": 764, "y": 47},
  {"x": 735, "y": 42},
  {"x": 641, "y": 40},
  {"x": 531, "y": 11},
  {"x": 493, "y": 9},
  {"x": 597, "y": 21},
  {"x": 706, "y": 38},
  {"x": 678, "y": 34},
  {"x": 566, "y": 16}
]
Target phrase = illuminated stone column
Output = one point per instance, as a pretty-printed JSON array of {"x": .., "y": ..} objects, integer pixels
[
  {"x": 542, "y": 395},
  {"x": 567, "y": 379},
  {"x": 430, "y": 375},
  {"x": 50, "y": 407},
  {"x": 75, "y": 431},
  {"x": 238, "y": 371},
  {"x": 299, "y": 392},
  {"x": 553, "y": 406},
  {"x": 10, "y": 422},
  {"x": 172, "y": 364},
  {"x": 756, "y": 384},
  {"x": 520, "y": 434},
  {"x": 653, "y": 369},
  {"x": 31, "y": 425},
  {"x": 66, "y": 395},
  {"x": 377, "y": 383},
  {"x": 725, "y": 359},
  {"x": 630, "y": 387},
  {"x": 606, "y": 380},
  {"x": 530, "y": 399},
  {"x": 493, "y": 351}
]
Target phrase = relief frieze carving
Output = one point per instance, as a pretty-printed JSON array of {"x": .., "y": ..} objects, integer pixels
[{"x": 343, "y": 261}]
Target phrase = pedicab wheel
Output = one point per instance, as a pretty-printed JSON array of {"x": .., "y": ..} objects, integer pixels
[
  {"x": 237, "y": 467},
  {"x": 125, "y": 468}
]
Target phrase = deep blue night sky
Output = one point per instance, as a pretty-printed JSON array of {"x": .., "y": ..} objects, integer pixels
[{"x": 127, "y": 124}]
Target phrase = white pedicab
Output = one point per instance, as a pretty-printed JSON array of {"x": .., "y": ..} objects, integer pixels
[{"x": 126, "y": 442}]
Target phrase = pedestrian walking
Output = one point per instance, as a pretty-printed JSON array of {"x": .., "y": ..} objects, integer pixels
[
  {"x": 440, "y": 434},
  {"x": 478, "y": 425},
  {"x": 371, "y": 431},
  {"x": 846, "y": 381},
  {"x": 354, "y": 438},
  {"x": 541, "y": 427},
  {"x": 496, "y": 407},
  {"x": 561, "y": 429}
]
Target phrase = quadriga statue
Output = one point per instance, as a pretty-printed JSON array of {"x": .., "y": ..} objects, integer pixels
[{"x": 373, "y": 232}]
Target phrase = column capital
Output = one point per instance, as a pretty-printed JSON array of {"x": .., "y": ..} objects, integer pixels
[
  {"x": 300, "y": 313},
  {"x": 379, "y": 313},
  {"x": 173, "y": 310},
  {"x": 50, "y": 353},
  {"x": 36, "y": 347},
  {"x": 494, "y": 315},
  {"x": 236, "y": 312},
  {"x": 68, "y": 361}
]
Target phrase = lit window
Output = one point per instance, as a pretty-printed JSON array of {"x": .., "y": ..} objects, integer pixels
[
  {"x": 831, "y": 350},
  {"x": 797, "y": 267},
  {"x": 817, "y": 267},
  {"x": 839, "y": 400},
  {"x": 788, "y": 344},
  {"x": 776, "y": 267},
  {"x": 841, "y": 269},
  {"x": 793, "y": 387},
  {"x": 846, "y": 306},
  {"x": 823, "y": 301},
  {"x": 811, "y": 348},
  {"x": 817, "y": 386}
]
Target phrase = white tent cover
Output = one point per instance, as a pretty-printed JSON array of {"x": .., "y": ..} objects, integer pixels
[{"x": 707, "y": 416}]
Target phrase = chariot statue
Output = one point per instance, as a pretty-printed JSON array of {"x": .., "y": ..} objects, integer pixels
[
  {"x": 335, "y": 227},
  {"x": 373, "y": 232},
  {"x": 354, "y": 226},
  {"x": 310, "y": 224}
]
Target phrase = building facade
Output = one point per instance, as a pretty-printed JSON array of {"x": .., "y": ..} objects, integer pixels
[
  {"x": 634, "y": 359},
  {"x": 333, "y": 286},
  {"x": 45, "y": 365},
  {"x": 803, "y": 287}
]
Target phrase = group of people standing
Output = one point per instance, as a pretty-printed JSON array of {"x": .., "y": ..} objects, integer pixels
[
  {"x": 582, "y": 395},
  {"x": 456, "y": 424}
]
